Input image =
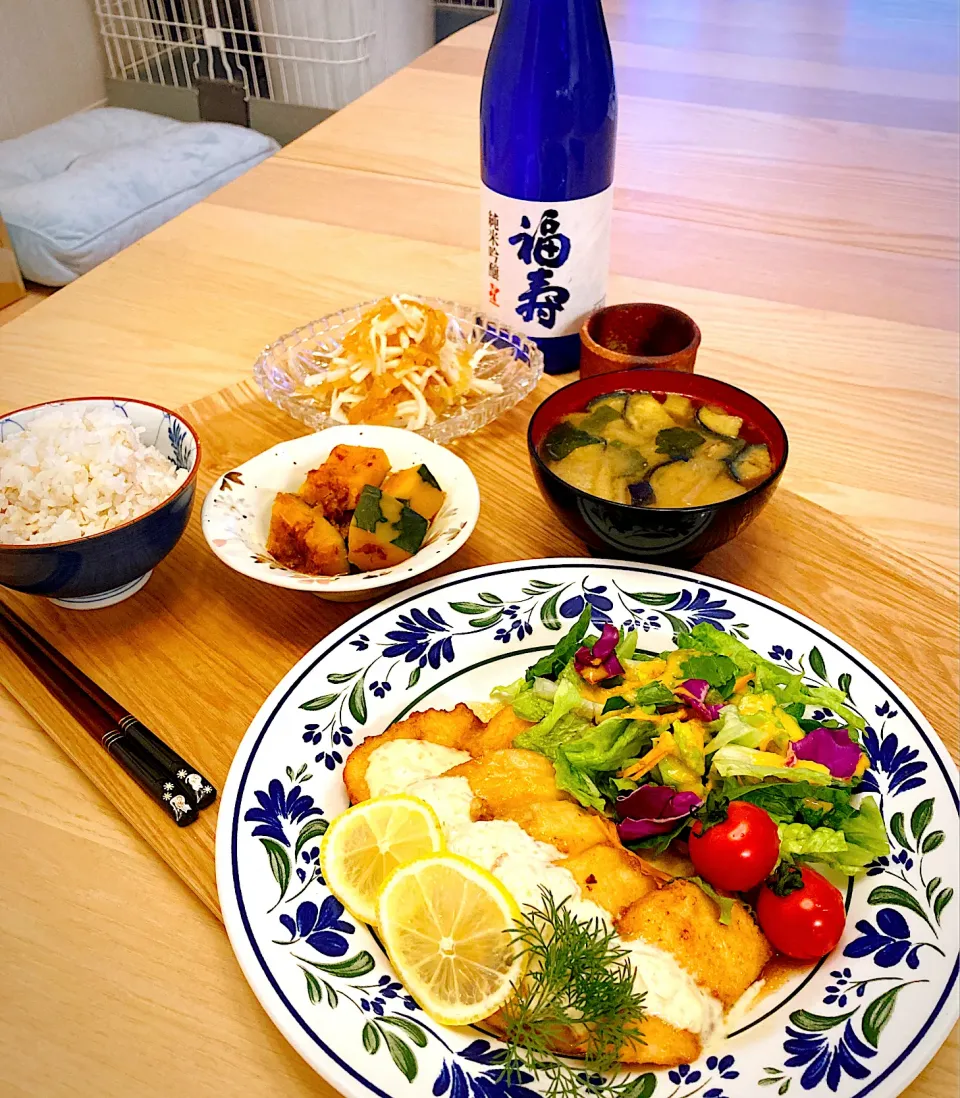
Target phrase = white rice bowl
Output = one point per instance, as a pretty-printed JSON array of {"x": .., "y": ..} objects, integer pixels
[{"x": 72, "y": 473}]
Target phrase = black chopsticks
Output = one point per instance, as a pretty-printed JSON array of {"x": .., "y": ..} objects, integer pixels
[{"x": 177, "y": 786}]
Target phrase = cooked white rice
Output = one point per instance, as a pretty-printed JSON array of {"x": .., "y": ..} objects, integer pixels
[{"x": 71, "y": 474}]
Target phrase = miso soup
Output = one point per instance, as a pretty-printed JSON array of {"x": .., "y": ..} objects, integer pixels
[{"x": 655, "y": 451}]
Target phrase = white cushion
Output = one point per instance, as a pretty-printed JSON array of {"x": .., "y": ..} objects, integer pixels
[{"x": 77, "y": 192}]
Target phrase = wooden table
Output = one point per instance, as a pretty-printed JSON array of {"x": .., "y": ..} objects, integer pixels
[{"x": 786, "y": 172}]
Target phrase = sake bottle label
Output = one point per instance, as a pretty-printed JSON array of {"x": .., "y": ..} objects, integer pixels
[{"x": 545, "y": 263}]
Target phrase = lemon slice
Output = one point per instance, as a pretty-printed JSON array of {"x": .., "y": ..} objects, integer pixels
[
  {"x": 368, "y": 842},
  {"x": 444, "y": 923}
]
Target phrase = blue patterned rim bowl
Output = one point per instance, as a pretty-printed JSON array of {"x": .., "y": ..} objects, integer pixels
[{"x": 103, "y": 569}]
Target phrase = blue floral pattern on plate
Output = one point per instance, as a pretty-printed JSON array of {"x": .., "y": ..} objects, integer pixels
[{"x": 451, "y": 640}]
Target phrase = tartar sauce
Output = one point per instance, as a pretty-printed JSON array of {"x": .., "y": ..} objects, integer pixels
[
  {"x": 397, "y": 764},
  {"x": 523, "y": 865},
  {"x": 450, "y": 798}
]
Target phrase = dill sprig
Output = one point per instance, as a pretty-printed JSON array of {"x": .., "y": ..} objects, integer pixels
[{"x": 580, "y": 985}]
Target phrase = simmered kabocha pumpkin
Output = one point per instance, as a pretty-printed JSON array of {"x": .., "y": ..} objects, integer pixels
[
  {"x": 384, "y": 531},
  {"x": 337, "y": 484},
  {"x": 418, "y": 488},
  {"x": 300, "y": 537},
  {"x": 342, "y": 503}
]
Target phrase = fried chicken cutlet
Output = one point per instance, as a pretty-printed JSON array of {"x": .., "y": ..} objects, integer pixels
[{"x": 513, "y": 784}]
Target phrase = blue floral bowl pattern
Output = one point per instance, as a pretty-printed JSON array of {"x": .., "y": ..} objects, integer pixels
[
  {"x": 106, "y": 568},
  {"x": 863, "y": 1021}
]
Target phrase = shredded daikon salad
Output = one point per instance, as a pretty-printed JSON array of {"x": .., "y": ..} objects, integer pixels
[{"x": 403, "y": 364}]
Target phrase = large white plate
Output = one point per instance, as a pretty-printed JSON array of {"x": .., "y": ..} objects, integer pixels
[{"x": 864, "y": 1021}]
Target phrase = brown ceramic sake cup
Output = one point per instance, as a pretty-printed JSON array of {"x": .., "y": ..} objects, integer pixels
[{"x": 638, "y": 335}]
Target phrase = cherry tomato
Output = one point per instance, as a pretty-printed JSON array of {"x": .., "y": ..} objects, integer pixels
[
  {"x": 806, "y": 921},
  {"x": 739, "y": 852}
]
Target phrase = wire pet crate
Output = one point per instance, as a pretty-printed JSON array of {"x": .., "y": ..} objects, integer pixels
[
  {"x": 308, "y": 53},
  {"x": 454, "y": 15}
]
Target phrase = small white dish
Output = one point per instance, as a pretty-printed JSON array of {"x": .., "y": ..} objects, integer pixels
[{"x": 236, "y": 512}]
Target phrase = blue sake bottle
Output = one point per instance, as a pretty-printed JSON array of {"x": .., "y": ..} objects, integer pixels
[{"x": 548, "y": 124}]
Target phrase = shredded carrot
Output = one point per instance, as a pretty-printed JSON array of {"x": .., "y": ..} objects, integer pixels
[
  {"x": 404, "y": 363},
  {"x": 663, "y": 747}
]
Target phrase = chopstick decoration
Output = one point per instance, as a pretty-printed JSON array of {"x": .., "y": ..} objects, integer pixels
[
  {"x": 176, "y": 785},
  {"x": 170, "y": 780}
]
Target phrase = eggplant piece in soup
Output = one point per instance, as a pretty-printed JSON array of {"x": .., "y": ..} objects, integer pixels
[
  {"x": 692, "y": 483},
  {"x": 718, "y": 421},
  {"x": 751, "y": 466},
  {"x": 681, "y": 409},
  {"x": 646, "y": 415},
  {"x": 616, "y": 401}
]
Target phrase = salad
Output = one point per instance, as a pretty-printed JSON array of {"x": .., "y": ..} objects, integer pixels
[
  {"x": 403, "y": 364},
  {"x": 718, "y": 755}
]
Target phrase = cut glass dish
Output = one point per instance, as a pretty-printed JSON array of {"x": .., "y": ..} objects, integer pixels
[{"x": 517, "y": 365}]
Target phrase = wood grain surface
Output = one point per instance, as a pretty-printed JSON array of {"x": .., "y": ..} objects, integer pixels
[
  {"x": 786, "y": 172},
  {"x": 818, "y": 256},
  {"x": 195, "y": 654},
  {"x": 167, "y": 656}
]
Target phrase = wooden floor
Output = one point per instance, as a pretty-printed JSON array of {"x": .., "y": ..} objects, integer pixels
[
  {"x": 34, "y": 295},
  {"x": 787, "y": 172}
]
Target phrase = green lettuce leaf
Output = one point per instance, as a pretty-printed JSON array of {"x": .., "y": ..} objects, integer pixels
[
  {"x": 734, "y": 761},
  {"x": 657, "y": 844},
  {"x": 689, "y": 747},
  {"x": 611, "y": 705},
  {"x": 818, "y": 814},
  {"x": 785, "y": 801},
  {"x": 559, "y": 725},
  {"x": 797, "y": 691},
  {"x": 610, "y": 745},
  {"x": 566, "y": 729},
  {"x": 510, "y": 691},
  {"x": 585, "y": 755},
  {"x": 707, "y": 638},
  {"x": 578, "y": 782},
  {"x": 627, "y": 645},
  {"x": 819, "y": 823},
  {"x": 654, "y": 693},
  {"x": 848, "y": 849},
  {"x": 550, "y": 665},
  {"x": 786, "y": 687},
  {"x": 719, "y": 671},
  {"x": 674, "y": 772},
  {"x": 733, "y": 729},
  {"x": 613, "y": 787},
  {"x": 799, "y": 838},
  {"x": 603, "y": 750},
  {"x": 528, "y": 706},
  {"x": 865, "y": 834}
]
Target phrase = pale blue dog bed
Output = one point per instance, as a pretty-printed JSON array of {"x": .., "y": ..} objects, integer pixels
[{"x": 75, "y": 193}]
